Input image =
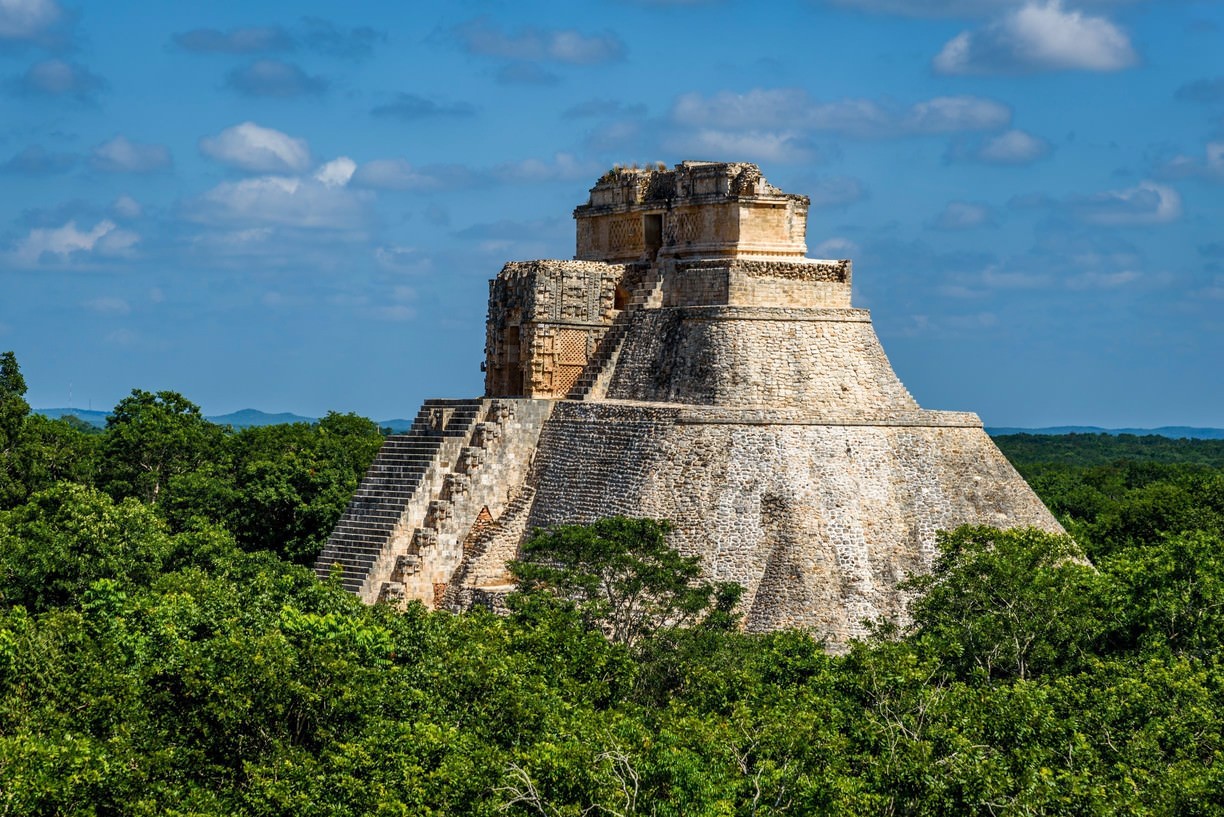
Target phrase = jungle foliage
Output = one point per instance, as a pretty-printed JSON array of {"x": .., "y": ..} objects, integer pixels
[{"x": 163, "y": 652}]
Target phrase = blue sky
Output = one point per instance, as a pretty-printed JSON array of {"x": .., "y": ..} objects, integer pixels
[{"x": 297, "y": 206}]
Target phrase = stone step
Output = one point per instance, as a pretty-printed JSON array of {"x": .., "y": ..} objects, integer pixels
[{"x": 390, "y": 484}]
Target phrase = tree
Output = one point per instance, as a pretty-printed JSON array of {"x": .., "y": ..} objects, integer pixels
[
  {"x": 13, "y": 411},
  {"x": 62, "y": 540},
  {"x": 622, "y": 575},
  {"x": 150, "y": 438},
  {"x": 1007, "y": 603}
]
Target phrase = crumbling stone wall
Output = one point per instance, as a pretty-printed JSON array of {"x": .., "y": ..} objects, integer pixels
[
  {"x": 545, "y": 320},
  {"x": 818, "y": 521},
  {"x": 794, "y": 284},
  {"x": 821, "y": 360},
  {"x": 696, "y": 209}
]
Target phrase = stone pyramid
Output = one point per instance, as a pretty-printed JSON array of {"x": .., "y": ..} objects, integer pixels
[{"x": 691, "y": 364}]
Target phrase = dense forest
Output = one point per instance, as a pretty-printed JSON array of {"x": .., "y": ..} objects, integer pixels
[{"x": 165, "y": 651}]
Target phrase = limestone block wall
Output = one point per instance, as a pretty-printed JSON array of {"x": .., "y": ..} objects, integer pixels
[
  {"x": 821, "y": 361},
  {"x": 792, "y": 284},
  {"x": 818, "y": 522}
]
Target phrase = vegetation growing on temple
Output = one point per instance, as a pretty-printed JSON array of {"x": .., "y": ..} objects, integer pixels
[{"x": 163, "y": 651}]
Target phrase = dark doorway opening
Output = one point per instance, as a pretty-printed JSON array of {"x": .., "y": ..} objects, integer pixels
[
  {"x": 652, "y": 231},
  {"x": 621, "y": 299}
]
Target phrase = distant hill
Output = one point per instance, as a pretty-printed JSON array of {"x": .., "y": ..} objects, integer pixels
[
  {"x": 244, "y": 418},
  {"x": 1174, "y": 432},
  {"x": 94, "y": 418}
]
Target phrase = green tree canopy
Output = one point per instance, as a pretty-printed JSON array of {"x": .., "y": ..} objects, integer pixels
[
  {"x": 13, "y": 411},
  {"x": 150, "y": 438},
  {"x": 622, "y": 575}
]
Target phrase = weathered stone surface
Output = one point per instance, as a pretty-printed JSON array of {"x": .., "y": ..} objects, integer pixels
[{"x": 717, "y": 379}]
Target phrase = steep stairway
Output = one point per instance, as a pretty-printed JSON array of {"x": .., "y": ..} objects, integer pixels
[
  {"x": 391, "y": 481},
  {"x": 593, "y": 382}
]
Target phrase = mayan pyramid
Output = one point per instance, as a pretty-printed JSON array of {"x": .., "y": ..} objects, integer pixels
[{"x": 691, "y": 364}]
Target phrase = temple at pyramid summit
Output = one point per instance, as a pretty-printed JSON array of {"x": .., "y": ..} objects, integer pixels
[{"x": 689, "y": 364}]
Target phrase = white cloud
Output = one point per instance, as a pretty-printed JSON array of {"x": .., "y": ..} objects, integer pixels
[
  {"x": 336, "y": 173},
  {"x": 1039, "y": 36},
  {"x": 402, "y": 259},
  {"x": 61, "y": 245},
  {"x": 399, "y": 174},
  {"x": 281, "y": 201},
  {"x": 122, "y": 155},
  {"x": 1209, "y": 167},
  {"x": 126, "y": 207},
  {"x": 1147, "y": 203},
  {"x": 962, "y": 215},
  {"x": 952, "y": 114},
  {"x": 951, "y": 8},
  {"x": 794, "y": 109},
  {"x": 257, "y": 149},
  {"x": 563, "y": 167},
  {"x": 783, "y": 147},
  {"x": 28, "y": 19},
  {"x": 1013, "y": 147}
]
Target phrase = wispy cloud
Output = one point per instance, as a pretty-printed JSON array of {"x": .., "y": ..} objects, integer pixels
[
  {"x": 1146, "y": 203},
  {"x": 59, "y": 78},
  {"x": 108, "y": 305},
  {"x": 1207, "y": 91},
  {"x": 399, "y": 174},
  {"x": 312, "y": 34},
  {"x": 35, "y": 160},
  {"x": 33, "y": 22},
  {"x": 122, "y": 155},
  {"x": 245, "y": 40},
  {"x": 274, "y": 78},
  {"x": 834, "y": 191},
  {"x": 283, "y": 201},
  {"x": 68, "y": 245},
  {"x": 562, "y": 167},
  {"x": 954, "y": 8},
  {"x": 410, "y": 107},
  {"x": 1038, "y": 36},
  {"x": 1012, "y": 147},
  {"x": 781, "y": 147},
  {"x": 343, "y": 42},
  {"x": 603, "y": 108},
  {"x": 1208, "y": 166},
  {"x": 962, "y": 215},
  {"x": 560, "y": 45},
  {"x": 251, "y": 147},
  {"x": 767, "y": 108}
]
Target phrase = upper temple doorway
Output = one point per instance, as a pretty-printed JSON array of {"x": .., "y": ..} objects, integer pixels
[{"x": 652, "y": 233}]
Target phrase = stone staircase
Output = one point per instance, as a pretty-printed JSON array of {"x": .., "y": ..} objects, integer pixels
[
  {"x": 456, "y": 503},
  {"x": 592, "y": 384},
  {"x": 392, "y": 480}
]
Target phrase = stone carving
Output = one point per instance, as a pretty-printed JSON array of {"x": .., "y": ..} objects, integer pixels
[{"x": 692, "y": 364}]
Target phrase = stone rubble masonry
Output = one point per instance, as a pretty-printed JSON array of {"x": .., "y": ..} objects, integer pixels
[{"x": 692, "y": 365}]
